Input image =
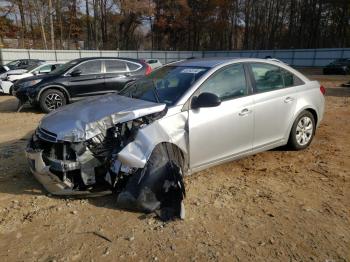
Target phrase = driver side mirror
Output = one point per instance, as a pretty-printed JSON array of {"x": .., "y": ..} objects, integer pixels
[
  {"x": 35, "y": 73},
  {"x": 205, "y": 100},
  {"x": 75, "y": 72}
]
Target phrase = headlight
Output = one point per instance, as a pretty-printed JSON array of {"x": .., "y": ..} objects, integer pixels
[{"x": 30, "y": 83}]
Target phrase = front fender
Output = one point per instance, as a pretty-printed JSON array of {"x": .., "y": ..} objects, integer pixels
[
  {"x": 59, "y": 87},
  {"x": 170, "y": 129}
]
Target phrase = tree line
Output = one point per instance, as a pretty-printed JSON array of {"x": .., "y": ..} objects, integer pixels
[{"x": 176, "y": 24}]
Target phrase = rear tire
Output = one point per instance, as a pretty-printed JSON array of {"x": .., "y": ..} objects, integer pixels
[
  {"x": 51, "y": 99},
  {"x": 303, "y": 131}
]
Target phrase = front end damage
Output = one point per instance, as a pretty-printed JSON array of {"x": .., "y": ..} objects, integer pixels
[{"x": 129, "y": 152}]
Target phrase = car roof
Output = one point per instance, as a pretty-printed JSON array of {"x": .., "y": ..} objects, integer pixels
[
  {"x": 205, "y": 62},
  {"x": 212, "y": 62},
  {"x": 107, "y": 57}
]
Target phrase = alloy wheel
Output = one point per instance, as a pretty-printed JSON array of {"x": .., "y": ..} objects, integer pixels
[
  {"x": 304, "y": 130},
  {"x": 53, "y": 101}
]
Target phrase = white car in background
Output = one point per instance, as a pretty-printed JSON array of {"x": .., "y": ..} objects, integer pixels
[
  {"x": 11, "y": 76},
  {"x": 154, "y": 63}
]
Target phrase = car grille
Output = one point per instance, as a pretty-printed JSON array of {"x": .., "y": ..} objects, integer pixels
[{"x": 46, "y": 135}]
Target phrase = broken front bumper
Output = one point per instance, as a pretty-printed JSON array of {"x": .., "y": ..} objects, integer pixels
[{"x": 52, "y": 183}]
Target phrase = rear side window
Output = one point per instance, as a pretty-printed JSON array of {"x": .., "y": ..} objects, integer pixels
[
  {"x": 90, "y": 67},
  {"x": 290, "y": 79},
  {"x": 270, "y": 77},
  {"x": 133, "y": 66},
  {"x": 267, "y": 77},
  {"x": 115, "y": 66},
  {"x": 228, "y": 83}
]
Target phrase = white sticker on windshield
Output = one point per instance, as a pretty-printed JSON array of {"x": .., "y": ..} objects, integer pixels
[{"x": 191, "y": 70}]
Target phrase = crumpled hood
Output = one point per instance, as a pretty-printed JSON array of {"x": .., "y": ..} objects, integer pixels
[{"x": 83, "y": 120}]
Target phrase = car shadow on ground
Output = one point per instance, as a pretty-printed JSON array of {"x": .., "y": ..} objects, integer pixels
[{"x": 9, "y": 104}]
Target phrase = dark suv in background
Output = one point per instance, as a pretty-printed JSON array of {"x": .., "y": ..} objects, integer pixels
[
  {"x": 77, "y": 79},
  {"x": 339, "y": 66}
]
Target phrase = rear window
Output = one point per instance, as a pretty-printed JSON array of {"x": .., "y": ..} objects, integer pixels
[{"x": 152, "y": 61}]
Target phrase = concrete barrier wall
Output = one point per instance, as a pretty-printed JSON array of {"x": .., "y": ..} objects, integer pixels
[{"x": 295, "y": 57}]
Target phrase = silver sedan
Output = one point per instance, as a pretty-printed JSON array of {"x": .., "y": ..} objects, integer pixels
[{"x": 180, "y": 119}]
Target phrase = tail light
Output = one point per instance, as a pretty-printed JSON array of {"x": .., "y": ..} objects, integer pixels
[
  {"x": 148, "y": 69},
  {"x": 323, "y": 90}
]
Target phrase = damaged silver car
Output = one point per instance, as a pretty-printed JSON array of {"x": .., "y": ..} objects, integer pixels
[{"x": 180, "y": 119}]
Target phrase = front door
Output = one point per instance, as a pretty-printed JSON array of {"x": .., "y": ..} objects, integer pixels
[
  {"x": 219, "y": 133},
  {"x": 90, "y": 82}
]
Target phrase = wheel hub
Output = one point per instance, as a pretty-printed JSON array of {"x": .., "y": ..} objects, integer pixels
[{"x": 304, "y": 130}]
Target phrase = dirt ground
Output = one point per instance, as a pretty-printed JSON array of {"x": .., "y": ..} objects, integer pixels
[{"x": 275, "y": 206}]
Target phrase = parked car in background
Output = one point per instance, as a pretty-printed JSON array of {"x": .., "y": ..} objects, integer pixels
[
  {"x": 141, "y": 141},
  {"x": 154, "y": 63},
  {"x": 17, "y": 71},
  {"x": 23, "y": 63},
  {"x": 3, "y": 69},
  {"x": 78, "y": 79},
  {"x": 13, "y": 75},
  {"x": 338, "y": 67}
]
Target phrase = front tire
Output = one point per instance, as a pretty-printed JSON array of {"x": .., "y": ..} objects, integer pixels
[
  {"x": 51, "y": 100},
  {"x": 303, "y": 131}
]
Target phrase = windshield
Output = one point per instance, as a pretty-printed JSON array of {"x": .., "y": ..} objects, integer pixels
[
  {"x": 29, "y": 69},
  {"x": 62, "y": 68},
  {"x": 12, "y": 63},
  {"x": 165, "y": 85}
]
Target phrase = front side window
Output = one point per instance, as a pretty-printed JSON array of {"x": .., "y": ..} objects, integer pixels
[
  {"x": 90, "y": 67},
  {"x": 115, "y": 66},
  {"x": 267, "y": 77},
  {"x": 228, "y": 83}
]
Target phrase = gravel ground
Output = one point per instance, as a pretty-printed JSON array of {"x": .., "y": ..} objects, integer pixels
[{"x": 279, "y": 205}]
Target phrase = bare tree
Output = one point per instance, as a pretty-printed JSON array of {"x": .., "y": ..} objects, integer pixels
[
  {"x": 52, "y": 32},
  {"x": 40, "y": 16}
]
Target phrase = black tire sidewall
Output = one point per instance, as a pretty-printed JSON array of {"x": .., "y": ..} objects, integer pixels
[
  {"x": 42, "y": 104},
  {"x": 293, "y": 143}
]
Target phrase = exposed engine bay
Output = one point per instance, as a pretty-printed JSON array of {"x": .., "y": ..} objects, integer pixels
[{"x": 92, "y": 167}]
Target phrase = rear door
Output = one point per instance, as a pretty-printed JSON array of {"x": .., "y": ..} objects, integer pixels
[
  {"x": 90, "y": 82},
  {"x": 118, "y": 73},
  {"x": 274, "y": 103}
]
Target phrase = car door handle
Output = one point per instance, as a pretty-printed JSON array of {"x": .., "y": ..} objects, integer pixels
[
  {"x": 245, "y": 112},
  {"x": 99, "y": 77},
  {"x": 289, "y": 99}
]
